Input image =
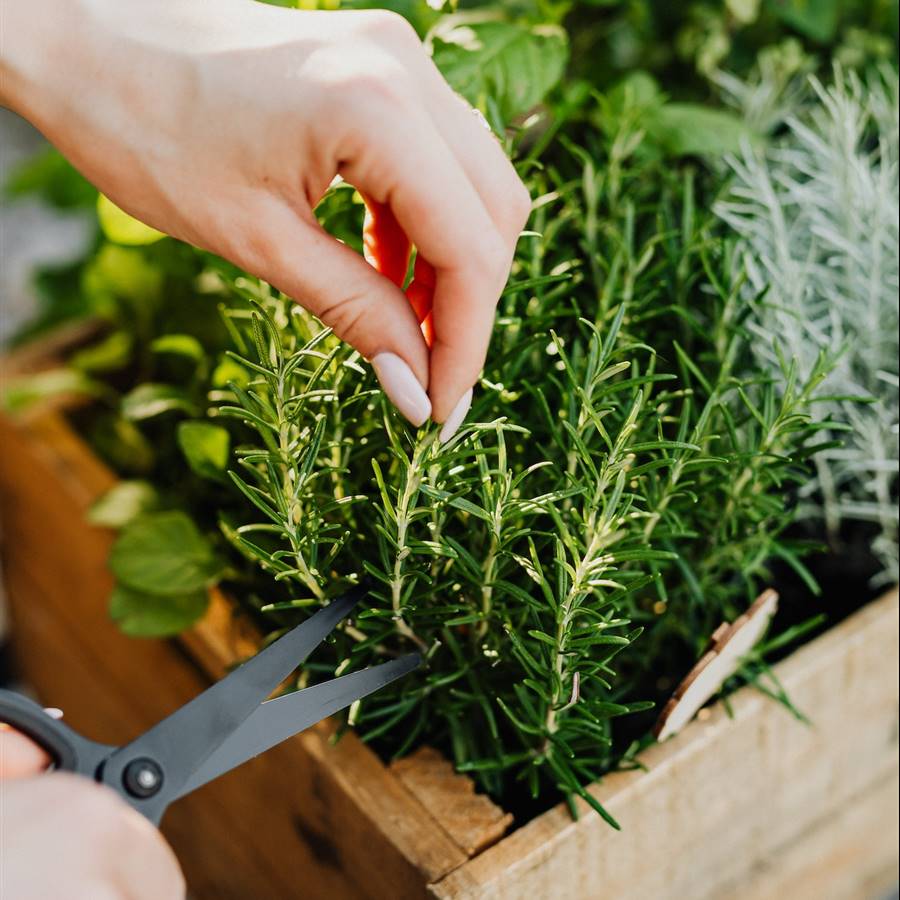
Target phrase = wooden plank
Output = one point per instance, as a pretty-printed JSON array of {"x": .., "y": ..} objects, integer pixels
[
  {"x": 363, "y": 800},
  {"x": 724, "y": 798},
  {"x": 850, "y": 855},
  {"x": 109, "y": 686}
]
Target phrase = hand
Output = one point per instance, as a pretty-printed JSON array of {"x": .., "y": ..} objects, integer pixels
[
  {"x": 63, "y": 836},
  {"x": 224, "y": 124}
]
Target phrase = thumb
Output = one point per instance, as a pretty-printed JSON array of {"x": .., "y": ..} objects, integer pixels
[
  {"x": 362, "y": 306},
  {"x": 20, "y": 757}
]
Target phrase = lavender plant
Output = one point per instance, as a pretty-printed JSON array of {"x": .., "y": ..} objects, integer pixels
[{"x": 817, "y": 218}]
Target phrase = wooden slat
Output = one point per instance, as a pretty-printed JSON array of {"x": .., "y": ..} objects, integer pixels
[
  {"x": 852, "y": 853},
  {"x": 727, "y": 799}
]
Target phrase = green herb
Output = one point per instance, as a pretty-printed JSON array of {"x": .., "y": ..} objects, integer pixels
[
  {"x": 624, "y": 471},
  {"x": 625, "y": 479}
]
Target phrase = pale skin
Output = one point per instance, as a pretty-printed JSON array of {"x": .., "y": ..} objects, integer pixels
[
  {"x": 63, "y": 836},
  {"x": 222, "y": 123}
]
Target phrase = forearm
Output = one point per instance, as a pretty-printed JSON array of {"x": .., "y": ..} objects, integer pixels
[
  {"x": 54, "y": 55},
  {"x": 32, "y": 46},
  {"x": 223, "y": 122},
  {"x": 102, "y": 79}
]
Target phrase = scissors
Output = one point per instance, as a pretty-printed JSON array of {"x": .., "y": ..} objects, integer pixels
[{"x": 219, "y": 729}]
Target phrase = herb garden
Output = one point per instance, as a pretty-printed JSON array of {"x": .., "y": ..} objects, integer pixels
[{"x": 691, "y": 394}]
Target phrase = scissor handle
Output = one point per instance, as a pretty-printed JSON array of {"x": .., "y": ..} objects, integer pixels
[{"x": 68, "y": 750}]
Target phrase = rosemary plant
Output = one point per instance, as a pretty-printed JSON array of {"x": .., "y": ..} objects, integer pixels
[{"x": 620, "y": 473}]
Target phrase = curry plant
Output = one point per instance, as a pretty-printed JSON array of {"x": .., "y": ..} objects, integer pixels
[{"x": 817, "y": 216}]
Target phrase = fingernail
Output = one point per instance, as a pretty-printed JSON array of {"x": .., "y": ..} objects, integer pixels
[
  {"x": 455, "y": 419},
  {"x": 402, "y": 387}
]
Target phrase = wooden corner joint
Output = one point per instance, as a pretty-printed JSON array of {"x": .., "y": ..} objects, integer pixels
[
  {"x": 729, "y": 644},
  {"x": 473, "y": 821}
]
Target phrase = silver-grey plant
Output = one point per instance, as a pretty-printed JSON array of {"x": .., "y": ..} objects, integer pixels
[{"x": 816, "y": 215}]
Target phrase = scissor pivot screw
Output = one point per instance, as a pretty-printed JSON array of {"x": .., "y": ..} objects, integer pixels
[{"x": 142, "y": 777}]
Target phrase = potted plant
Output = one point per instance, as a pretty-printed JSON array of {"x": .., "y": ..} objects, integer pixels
[{"x": 644, "y": 442}]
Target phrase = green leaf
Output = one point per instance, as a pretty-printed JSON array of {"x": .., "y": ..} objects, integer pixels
[
  {"x": 121, "y": 272},
  {"x": 229, "y": 372},
  {"x": 52, "y": 177},
  {"x": 165, "y": 554},
  {"x": 637, "y": 90},
  {"x": 205, "y": 446},
  {"x": 179, "y": 345},
  {"x": 149, "y": 400},
  {"x": 513, "y": 65},
  {"x": 122, "y": 228},
  {"x": 107, "y": 355},
  {"x": 816, "y": 19},
  {"x": 689, "y": 129},
  {"x": 123, "y": 503},
  {"x": 27, "y": 390},
  {"x": 151, "y": 616},
  {"x": 122, "y": 443}
]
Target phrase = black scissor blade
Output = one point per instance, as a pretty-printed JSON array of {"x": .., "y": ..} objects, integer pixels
[
  {"x": 276, "y": 720},
  {"x": 182, "y": 741}
]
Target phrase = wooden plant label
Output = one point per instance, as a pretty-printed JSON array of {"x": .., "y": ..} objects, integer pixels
[{"x": 729, "y": 644}]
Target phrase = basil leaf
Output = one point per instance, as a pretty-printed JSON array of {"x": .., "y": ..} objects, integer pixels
[
  {"x": 688, "y": 129},
  {"x": 107, "y": 355},
  {"x": 149, "y": 400},
  {"x": 122, "y": 228},
  {"x": 179, "y": 345},
  {"x": 21, "y": 393},
  {"x": 513, "y": 65},
  {"x": 816, "y": 19},
  {"x": 123, "y": 503},
  {"x": 205, "y": 446},
  {"x": 165, "y": 554},
  {"x": 149, "y": 615}
]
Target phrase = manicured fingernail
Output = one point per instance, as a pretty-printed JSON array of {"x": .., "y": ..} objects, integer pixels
[
  {"x": 455, "y": 419},
  {"x": 402, "y": 387}
]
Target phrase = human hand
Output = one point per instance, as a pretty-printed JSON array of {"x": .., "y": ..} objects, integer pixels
[
  {"x": 63, "y": 836},
  {"x": 224, "y": 125}
]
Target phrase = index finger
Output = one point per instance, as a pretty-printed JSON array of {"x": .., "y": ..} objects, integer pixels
[
  {"x": 437, "y": 206},
  {"x": 20, "y": 757}
]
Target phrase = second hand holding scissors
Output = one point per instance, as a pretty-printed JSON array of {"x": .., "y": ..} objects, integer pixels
[{"x": 219, "y": 729}]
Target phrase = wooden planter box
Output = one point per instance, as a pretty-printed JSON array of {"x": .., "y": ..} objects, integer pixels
[{"x": 754, "y": 805}]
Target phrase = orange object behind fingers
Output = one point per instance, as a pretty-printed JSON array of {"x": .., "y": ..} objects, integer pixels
[{"x": 387, "y": 248}]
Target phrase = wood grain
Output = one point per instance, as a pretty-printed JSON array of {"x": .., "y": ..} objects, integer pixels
[
  {"x": 474, "y": 824},
  {"x": 735, "y": 807}
]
